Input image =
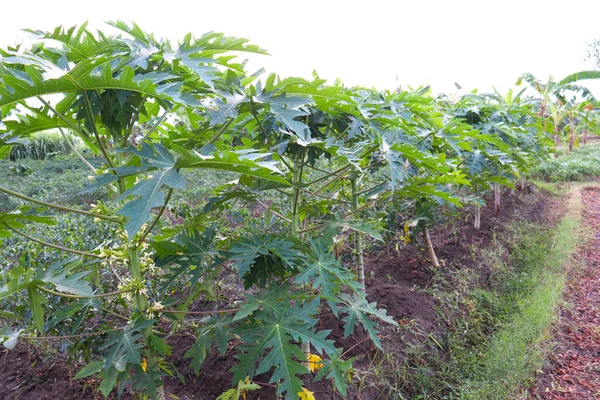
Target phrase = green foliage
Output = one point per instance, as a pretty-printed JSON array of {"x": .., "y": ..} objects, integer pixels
[
  {"x": 582, "y": 163},
  {"x": 154, "y": 114},
  {"x": 40, "y": 146},
  {"x": 272, "y": 331}
]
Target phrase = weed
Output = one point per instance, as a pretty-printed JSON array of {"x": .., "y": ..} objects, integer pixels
[{"x": 577, "y": 166}]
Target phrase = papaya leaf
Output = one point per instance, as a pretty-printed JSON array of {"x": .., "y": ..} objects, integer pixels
[
  {"x": 337, "y": 370},
  {"x": 17, "y": 279},
  {"x": 244, "y": 164},
  {"x": 260, "y": 258},
  {"x": 124, "y": 346},
  {"x": 217, "y": 329},
  {"x": 109, "y": 381},
  {"x": 358, "y": 309},
  {"x": 148, "y": 196},
  {"x": 56, "y": 275},
  {"x": 270, "y": 299},
  {"x": 147, "y": 381},
  {"x": 90, "y": 369},
  {"x": 272, "y": 337},
  {"x": 370, "y": 228},
  {"x": 326, "y": 272}
]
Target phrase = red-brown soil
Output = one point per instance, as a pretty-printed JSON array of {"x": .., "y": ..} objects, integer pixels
[
  {"x": 573, "y": 370},
  {"x": 396, "y": 280}
]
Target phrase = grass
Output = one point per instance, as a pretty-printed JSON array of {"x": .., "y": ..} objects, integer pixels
[
  {"x": 518, "y": 349},
  {"x": 57, "y": 180},
  {"x": 582, "y": 164},
  {"x": 554, "y": 189}
]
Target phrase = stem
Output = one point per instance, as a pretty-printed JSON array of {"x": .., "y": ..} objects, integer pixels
[
  {"x": 58, "y": 207},
  {"x": 371, "y": 188},
  {"x": 115, "y": 314},
  {"x": 72, "y": 146},
  {"x": 572, "y": 133},
  {"x": 429, "y": 246},
  {"x": 201, "y": 312},
  {"x": 337, "y": 173},
  {"x": 358, "y": 244},
  {"x": 497, "y": 198},
  {"x": 296, "y": 180},
  {"x": 76, "y": 296},
  {"x": 136, "y": 274},
  {"x": 219, "y": 133},
  {"x": 274, "y": 212},
  {"x": 477, "y": 224},
  {"x": 51, "y": 245},
  {"x": 264, "y": 131},
  {"x": 156, "y": 125},
  {"x": 81, "y": 335},
  {"x": 357, "y": 344},
  {"x": 61, "y": 116},
  {"x": 326, "y": 197}
]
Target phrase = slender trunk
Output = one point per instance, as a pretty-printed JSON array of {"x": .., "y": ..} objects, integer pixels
[
  {"x": 497, "y": 193},
  {"x": 556, "y": 142},
  {"x": 358, "y": 244},
  {"x": 585, "y": 136},
  {"x": 571, "y": 135},
  {"x": 296, "y": 180},
  {"x": 477, "y": 224},
  {"x": 141, "y": 299},
  {"x": 429, "y": 246}
]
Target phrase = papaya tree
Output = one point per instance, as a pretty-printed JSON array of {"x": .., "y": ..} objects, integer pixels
[{"x": 153, "y": 110}]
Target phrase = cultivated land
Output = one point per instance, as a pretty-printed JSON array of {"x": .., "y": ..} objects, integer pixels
[{"x": 175, "y": 227}]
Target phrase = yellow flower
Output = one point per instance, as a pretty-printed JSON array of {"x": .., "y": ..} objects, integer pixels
[
  {"x": 314, "y": 362},
  {"x": 306, "y": 394}
]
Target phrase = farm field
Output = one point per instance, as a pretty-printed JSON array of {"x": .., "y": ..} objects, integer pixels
[{"x": 173, "y": 227}]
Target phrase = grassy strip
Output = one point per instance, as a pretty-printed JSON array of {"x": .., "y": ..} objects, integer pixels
[{"x": 516, "y": 350}]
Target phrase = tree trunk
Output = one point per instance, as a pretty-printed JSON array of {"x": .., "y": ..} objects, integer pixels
[
  {"x": 585, "y": 136},
  {"x": 296, "y": 180},
  {"x": 429, "y": 246},
  {"x": 497, "y": 198},
  {"x": 477, "y": 224},
  {"x": 571, "y": 134},
  {"x": 358, "y": 244}
]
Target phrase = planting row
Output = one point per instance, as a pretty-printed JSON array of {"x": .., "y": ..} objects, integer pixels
[{"x": 325, "y": 165}]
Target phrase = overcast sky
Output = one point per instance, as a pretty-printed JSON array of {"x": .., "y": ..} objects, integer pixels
[{"x": 478, "y": 44}]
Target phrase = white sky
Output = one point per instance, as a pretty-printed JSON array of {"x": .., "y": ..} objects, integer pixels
[{"x": 478, "y": 44}]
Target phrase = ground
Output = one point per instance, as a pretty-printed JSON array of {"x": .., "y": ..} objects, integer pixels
[
  {"x": 573, "y": 371},
  {"x": 398, "y": 280}
]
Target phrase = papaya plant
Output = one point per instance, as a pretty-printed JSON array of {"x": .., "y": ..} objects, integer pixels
[
  {"x": 151, "y": 110},
  {"x": 319, "y": 163}
]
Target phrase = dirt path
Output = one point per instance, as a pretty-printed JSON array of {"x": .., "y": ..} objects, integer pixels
[{"x": 573, "y": 371}]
